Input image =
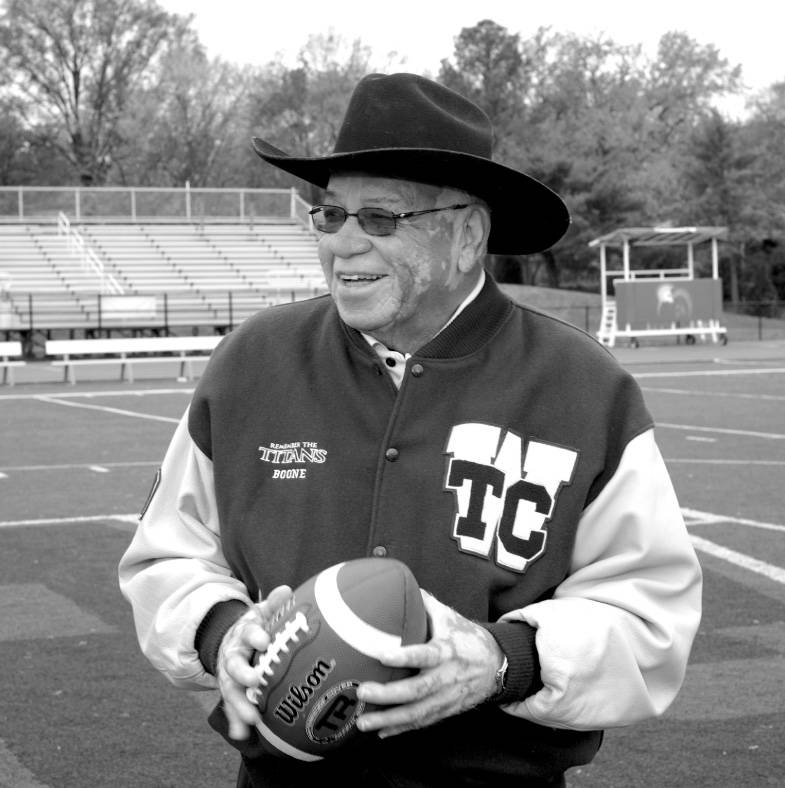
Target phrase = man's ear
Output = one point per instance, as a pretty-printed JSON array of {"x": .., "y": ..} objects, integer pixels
[{"x": 475, "y": 229}]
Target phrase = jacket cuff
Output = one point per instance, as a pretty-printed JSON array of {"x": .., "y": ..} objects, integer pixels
[
  {"x": 516, "y": 640},
  {"x": 214, "y": 626}
]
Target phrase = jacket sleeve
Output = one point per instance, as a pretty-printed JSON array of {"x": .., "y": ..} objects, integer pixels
[
  {"x": 614, "y": 640},
  {"x": 174, "y": 570}
]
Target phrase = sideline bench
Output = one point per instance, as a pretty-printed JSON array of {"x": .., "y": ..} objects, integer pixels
[
  {"x": 9, "y": 351},
  {"x": 129, "y": 351}
]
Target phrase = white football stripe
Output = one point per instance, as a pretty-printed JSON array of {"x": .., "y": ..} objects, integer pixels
[
  {"x": 360, "y": 635},
  {"x": 285, "y": 747}
]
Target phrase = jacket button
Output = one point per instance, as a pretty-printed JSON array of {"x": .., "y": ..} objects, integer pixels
[
  {"x": 417, "y": 370},
  {"x": 379, "y": 551},
  {"x": 391, "y": 454}
]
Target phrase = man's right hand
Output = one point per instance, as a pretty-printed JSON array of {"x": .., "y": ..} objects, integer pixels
[{"x": 234, "y": 672}]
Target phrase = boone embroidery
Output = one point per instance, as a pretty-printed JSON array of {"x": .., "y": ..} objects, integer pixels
[{"x": 299, "y": 695}]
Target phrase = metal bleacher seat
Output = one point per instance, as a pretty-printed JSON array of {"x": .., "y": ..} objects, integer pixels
[{"x": 199, "y": 273}]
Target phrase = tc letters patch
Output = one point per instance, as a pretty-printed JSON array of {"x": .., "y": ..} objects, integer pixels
[{"x": 505, "y": 491}]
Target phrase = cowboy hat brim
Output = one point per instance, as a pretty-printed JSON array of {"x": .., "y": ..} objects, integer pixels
[{"x": 526, "y": 216}]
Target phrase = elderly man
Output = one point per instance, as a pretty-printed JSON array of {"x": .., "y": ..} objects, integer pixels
[{"x": 503, "y": 455}]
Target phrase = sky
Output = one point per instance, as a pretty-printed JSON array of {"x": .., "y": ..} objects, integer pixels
[{"x": 750, "y": 33}]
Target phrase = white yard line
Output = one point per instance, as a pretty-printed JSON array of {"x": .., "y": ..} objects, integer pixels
[
  {"x": 99, "y": 394},
  {"x": 775, "y": 573},
  {"x": 94, "y": 518},
  {"x": 776, "y": 436},
  {"x": 725, "y": 394},
  {"x": 707, "y": 373},
  {"x": 56, "y": 400},
  {"x": 696, "y": 461},
  {"x": 4, "y": 469},
  {"x": 696, "y": 517}
]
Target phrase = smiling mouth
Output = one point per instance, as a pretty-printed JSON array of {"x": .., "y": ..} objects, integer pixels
[{"x": 352, "y": 279}]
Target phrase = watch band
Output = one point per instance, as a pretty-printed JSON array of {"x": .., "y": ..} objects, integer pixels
[{"x": 501, "y": 680}]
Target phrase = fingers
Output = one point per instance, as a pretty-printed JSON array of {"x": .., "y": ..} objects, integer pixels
[
  {"x": 235, "y": 673},
  {"x": 418, "y": 656},
  {"x": 455, "y": 671},
  {"x": 276, "y": 599},
  {"x": 240, "y": 713}
]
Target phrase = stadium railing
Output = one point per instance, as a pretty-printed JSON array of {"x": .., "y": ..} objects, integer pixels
[{"x": 148, "y": 204}]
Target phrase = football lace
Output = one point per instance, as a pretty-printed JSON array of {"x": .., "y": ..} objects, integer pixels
[{"x": 288, "y": 634}]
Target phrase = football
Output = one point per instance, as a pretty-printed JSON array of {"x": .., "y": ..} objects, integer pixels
[{"x": 325, "y": 642}]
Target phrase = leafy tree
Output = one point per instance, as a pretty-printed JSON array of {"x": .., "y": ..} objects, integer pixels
[
  {"x": 565, "y": 110},
  {"x": 717, "y": 181},
  {"x": 763, "y": 136},
  {"x": 300, "y": 109},
  {"x": 14, "y": 144},
  {"x": 682, "y": 82},
  {"x": 681, "y": 85},
  {"x": 186, "y": 126},
  {"x": 77, "y": 63},
  {"x": 489, "y": 69}
]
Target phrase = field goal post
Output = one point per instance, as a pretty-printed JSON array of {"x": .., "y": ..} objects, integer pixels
[{"x": 651, "y": 302}]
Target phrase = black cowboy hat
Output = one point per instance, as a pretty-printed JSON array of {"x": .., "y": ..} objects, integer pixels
[{"x": 406, "y": 126}]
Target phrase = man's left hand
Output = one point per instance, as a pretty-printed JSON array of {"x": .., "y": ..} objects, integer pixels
[{"x": 457, "y": 668}]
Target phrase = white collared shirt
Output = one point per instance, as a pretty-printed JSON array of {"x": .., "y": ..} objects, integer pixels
[{"x": 395, "y": 361}]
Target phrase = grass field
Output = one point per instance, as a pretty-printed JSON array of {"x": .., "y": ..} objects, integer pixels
[{"x": 83, "y": 709}]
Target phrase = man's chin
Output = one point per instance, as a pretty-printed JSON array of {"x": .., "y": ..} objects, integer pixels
[{"x": 363, "y": 319}]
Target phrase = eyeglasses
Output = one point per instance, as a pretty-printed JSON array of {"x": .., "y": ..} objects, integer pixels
[{"x": 375, "y": 221}]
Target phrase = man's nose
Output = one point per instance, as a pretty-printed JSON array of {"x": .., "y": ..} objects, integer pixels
[{"x": 350, "y": 240}]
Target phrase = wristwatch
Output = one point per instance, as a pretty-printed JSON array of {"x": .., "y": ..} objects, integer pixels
[{"x": 501, "y": 679}]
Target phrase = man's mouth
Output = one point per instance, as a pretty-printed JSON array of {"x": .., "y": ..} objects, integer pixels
[{"x": 352, "y": 279}]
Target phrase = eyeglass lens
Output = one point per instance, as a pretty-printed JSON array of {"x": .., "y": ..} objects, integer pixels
[{"x": 375, "y": 221}]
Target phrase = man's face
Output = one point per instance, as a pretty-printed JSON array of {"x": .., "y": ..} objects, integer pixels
[{"x": 401, "y": 288}]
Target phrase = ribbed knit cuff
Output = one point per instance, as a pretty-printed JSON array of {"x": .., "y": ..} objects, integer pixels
[
  {"x": 516, "y": 640},
  {"x": 214, "y": 626}
]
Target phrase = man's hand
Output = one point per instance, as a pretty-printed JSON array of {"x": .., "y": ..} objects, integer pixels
[
  {"x": 234, "y": 672},
  {"x": 457, "y": 671}
]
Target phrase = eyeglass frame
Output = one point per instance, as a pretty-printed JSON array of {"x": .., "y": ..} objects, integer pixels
[{"x": 394, "y": 216}]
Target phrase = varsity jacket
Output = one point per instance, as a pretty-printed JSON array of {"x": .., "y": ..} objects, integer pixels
[{"x": 515, "y": 472}]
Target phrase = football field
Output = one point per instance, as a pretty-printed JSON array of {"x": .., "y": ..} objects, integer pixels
[{"x": 82, "y": 708}]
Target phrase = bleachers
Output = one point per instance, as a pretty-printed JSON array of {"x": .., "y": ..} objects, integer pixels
[
  {"x": 39, "y": 263},
  {"x": 198, "y": 273}
]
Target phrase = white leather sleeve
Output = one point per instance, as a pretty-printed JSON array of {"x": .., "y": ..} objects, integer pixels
[
  {"x": 174, "y": 570},
  {"x": 614, "y": 640}
]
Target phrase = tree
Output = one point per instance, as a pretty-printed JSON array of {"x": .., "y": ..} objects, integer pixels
[
  {"x": 186, "y": 127},
  {"x": 14, "y": 144},
  {"x": 681, "y": 85},
  {"x": 763, "y": 136},
  {"x": 301, "y": 109},
  {"x": 715, "y": 174},
  {"x": 565, "y": 110},
  {"x": 683, "y": 81},
  {"x": 489, "y": 70},
  {"x": 77, "y": 63}
]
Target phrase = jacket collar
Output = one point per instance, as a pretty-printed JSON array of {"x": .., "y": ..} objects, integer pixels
[{"x": 467, "y": 333}]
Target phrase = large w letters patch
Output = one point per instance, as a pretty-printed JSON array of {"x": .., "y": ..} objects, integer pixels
[{"x": 504, "y": 494}]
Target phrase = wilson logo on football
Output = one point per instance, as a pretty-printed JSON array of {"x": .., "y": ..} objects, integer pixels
[{"x": 299, "y": 695}]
